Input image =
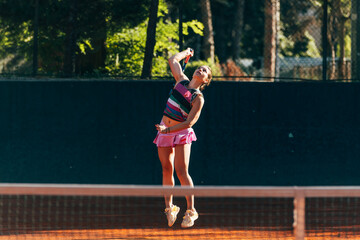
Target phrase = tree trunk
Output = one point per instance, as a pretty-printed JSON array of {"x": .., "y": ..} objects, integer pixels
[
  {"x": 238, "y": 29},
  {"x": 341, "y": 19},
  {"x": 181, "y": 35},
  {"x": 332, "y": 74},
  {"x": 355, "y": 40},
  {"x": 70, "y": 56},
  {"x": 331, "y": 40},
  {"x": 150, "y": 40},
  {"x": 221, "y": 37},
  {"x": 36, "y": 31},
  {"x": 342, "y": 72},
  {"x": 209, "y": 45},
  {"x": 271, "y": 7}
]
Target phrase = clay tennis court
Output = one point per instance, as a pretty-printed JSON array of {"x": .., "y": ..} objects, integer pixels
[{"x": 84, "y": 217}]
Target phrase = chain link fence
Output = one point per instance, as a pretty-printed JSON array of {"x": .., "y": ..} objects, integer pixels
[
  {"x": 308, "y": 40},
  {"x": 299, "y": 40}
]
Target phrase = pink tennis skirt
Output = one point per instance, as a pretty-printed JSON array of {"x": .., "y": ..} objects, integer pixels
[{"x": 175, "y": 138}]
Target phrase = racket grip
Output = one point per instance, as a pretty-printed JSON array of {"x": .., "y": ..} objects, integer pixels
[{"x": 186, "y": 60}]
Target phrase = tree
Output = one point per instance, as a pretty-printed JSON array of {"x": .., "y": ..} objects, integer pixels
[
  {"x": 297, "y": 21},
  {"x": 67, "y": 30},
  {"x": 271, "y": 24},
  {"x": 126, "y": 47},
  {"x": 238, "y": 29},
  {"x": 150, "y": 40},
  {"x": 229, "y": 25},
  {"x": 209, "y": 45},
  {"x": 355, "y": 41},
  {"x": 16, "y": 19},
  {"x": 342, "y": 13},
  {"x": 35, "y": 40},
  {"x": 338, "y": 31},
  {"x": 70, "y": 39}
]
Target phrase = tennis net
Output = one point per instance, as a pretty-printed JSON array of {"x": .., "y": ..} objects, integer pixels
[{"x": 58, "y": 211}]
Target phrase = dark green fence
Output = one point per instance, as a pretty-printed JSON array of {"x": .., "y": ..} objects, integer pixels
[{"x": 248, "y": 133}]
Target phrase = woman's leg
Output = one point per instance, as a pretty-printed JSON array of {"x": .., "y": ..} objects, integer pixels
[
  {"x": 182, "y": 159},
  {"x": 166, "y": 156}
]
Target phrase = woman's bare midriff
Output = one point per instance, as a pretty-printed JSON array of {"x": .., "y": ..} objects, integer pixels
[{"x": 169, "y": 122}]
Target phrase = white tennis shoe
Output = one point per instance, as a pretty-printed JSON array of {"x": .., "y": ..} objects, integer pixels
[
  {"x": 171, "y": 214},
  {"x": 189, "y": 218}
]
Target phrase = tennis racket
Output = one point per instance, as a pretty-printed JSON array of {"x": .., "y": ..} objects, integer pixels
[{"x": 186, "y": 60}]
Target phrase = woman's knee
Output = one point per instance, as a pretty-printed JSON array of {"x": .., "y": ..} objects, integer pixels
[
  {"x": 167, "y": 169},
  {"x": 182, "y": 173}
]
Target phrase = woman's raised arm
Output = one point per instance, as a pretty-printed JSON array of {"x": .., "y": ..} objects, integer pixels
[{"x": 174, "y": 62}]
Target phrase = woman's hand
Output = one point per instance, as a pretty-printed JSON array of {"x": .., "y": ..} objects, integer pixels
[
  {"x": 190, "y": 52},
  {"x": 160, "y": 128}
]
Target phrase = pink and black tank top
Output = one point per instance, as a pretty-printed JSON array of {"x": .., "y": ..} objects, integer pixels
[{"x": 178, "y": 105}]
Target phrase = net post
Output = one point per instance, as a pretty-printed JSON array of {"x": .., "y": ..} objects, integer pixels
[{"x": 299, "y": 214}]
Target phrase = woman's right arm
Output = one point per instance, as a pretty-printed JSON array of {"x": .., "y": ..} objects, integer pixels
[{"x": 174, "y": 62}]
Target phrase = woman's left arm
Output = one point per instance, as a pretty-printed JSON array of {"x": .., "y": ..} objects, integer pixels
[{"x": 192, "y": 118}]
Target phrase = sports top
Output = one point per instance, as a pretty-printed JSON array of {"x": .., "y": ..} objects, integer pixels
[{"x": 178, "y": 105}]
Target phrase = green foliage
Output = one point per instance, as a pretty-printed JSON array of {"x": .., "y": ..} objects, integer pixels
[
  {"x": 164, "y": 47},
  {"x": 125, "y": 51},
  {"x": 192, "y": 66},
  {"x": 312, "y": 50},
  {"x": 126, "y": 48},
  {"x": 94, "y": 18},
  {"x": 122, "y": 24},
  {"x": 15, "y": 47},
  {"x": 195, "y": 25},
  {"x": 347, "y": 47},
  {"x": 125, "y": 13},
  {"x": 295, "y": 40},
  {"x": 302, "y": 47}
]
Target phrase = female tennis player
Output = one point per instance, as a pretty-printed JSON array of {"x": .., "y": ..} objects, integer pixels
[{"x": 175, "y": 133}]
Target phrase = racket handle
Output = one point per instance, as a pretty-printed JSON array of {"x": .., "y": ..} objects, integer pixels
[{"x": 186, "y": 60}]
